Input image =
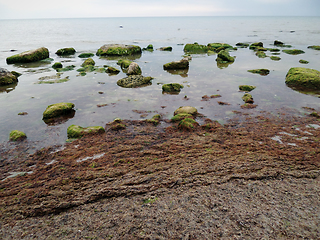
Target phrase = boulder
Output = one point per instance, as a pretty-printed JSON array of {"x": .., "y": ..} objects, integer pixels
[
  {"x": 182, "y": 64},
  {"x": 186, "y": 109},
  {"x": 17, "y": 135},
  {"x": 75, "y": 131},
  {"x": 133, "y": 81},
  {"x": 118, "y": 50},
  {"x": 134, "y": 69},
  {"x": 223, "y": 57},
  {"x": 303, "y": 78},
  {"x": 65, "y": 51},
  {"x": 57, "y": 110},
  {"x": 29, "y": 56},
  {"x": 172, "y": 87},
  {"x": 6, "y": 77},
  {"x": 195, "y": 48}
]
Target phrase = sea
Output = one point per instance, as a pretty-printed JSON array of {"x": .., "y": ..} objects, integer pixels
[{"x": 99, "y": 100}]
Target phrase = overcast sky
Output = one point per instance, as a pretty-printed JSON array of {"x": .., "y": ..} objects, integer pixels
[{"x": 22, "y": 9}]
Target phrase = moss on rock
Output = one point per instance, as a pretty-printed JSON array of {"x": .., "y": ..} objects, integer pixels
[
  {"x": 112, "y": 70},
  {"x": 6, "y": 77},
  {"x": 57, "y": 110},
  {"x": 253, "y": 46},
  {"x": 293, "y": 51},
  {"x": 217, "y": 47},
  {"x": 181, "y": 64},
  {"x": 133, "y": 81},
  {"x": 246, "y": 88},
  {"x": 86, "y": 55},
  {"x": 187, "y": 124},
  {"x": 118, "y": 50},
  {"x": 172, "y": 87},
  {"x": 315, "y": 47},
  {"x": 88, "y": 62},
  {"x": 195, "y": 48},
  {"x": 224, "y": 57},
  {"x": 303, "y": 61},
  {"x": 180, "y": 117},
  {"x": 261, "y": 54},
  {"x": 186, "y": 109},
  {"x": 124, "y": 63},
  {"x": 75, "y": 131},
  {"x": 17, "y": 135},
  {"x": 247, "y": 98},
  {"x": 275, "y": 58},
  {"x": 304, "y": 78},
  {"x": 134, "y": 69},
  {"x": 261, "y": 71},
  {"x": 242, "y": 45},
  {"x": 166, "y": 49},
  {"x": 29, "y": 56},
  {"x": 57, "y": 65},
  {"x": 65, "y": 51}
]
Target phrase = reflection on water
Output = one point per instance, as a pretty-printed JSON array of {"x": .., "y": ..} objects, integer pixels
[
  {"x": 61, "y": 119},
  {"x": 8, "y": 88},
  {"x": 182, "y": 72}
]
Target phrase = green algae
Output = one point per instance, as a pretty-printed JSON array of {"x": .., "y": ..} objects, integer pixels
[
  {"x": 303, "y": 61},
  {"x": 187, "y": 124},
  {"x": 261, "y": 71},
  {"x": 65, "y": 51},
  {"x": 246, "y": 88},
  {"x": 17, "y": 135},
  {"x": 180, "y": 117},
  {"x": 88, "y": 62},
  {"x": 57, "y": 109},
  {"x": 118, "y": 50},
  {"x": 86, "y": 55},
  {"x": 275, "y": 58},
  {"x": 75, "y": 131},
  {"x": 293, "y": 51},
  {"x": 304, "y": 78},
  {"x": 57, "y": 65},
  {"x": 224, "y": 57},
  {"x": 172, "y": 87},
  {"x": 29, "y": 56},
  {"x": 195, "y": 48}
]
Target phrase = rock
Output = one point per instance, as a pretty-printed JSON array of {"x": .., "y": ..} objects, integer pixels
[
  {"x": 217, "y": 47},
  {"x": 165, "y": 49},
  {"x": 155, "y": 120},
  {"x": 187, "y": 124},
  {"x": 274, "y": 49},
  {"x": 186, "y": 109},
  {"x": 148, "y": 48},
  {"x": 124, "y": 63},
  {"x": 253, "y": 46},
  {"x": 261, "y": 71},
  {"x": 88, "y": 62},
  {"x": 133, "y": 81},
  {"x": 261, "y": 54},
  {"x": 29, "y": 56},
  {"x": 75, "y": 131},
  {"x": 65, "y": 69},
  {"x": 182, "y": 64},
  {"x": 304, "y": 78},
  {"x": 16, "y": 73},
  {"x": 246, "y": 88},
  {"x": 275, "y": 58},
  {"x": 117, "y": 125},
  {"x": 57, "y": 110},
  {"x": 180, "y": 117},
  {"x": 134, "y": 69},
  {"x": 278, "y": 43},
  {"x": 57, "y": 65},
  {"x": 118, "y": 50},
  {"x": 195, "y": 48},
  {"x": 293, "y": 51},
  {"x": 303, "y": 61},
  {"x": 7, "y": 78},
  {"x": 172, "y": 87},
  {"x": 242, "y": 45},
  {"x": 86, "y": 55},
  {"x": 247, "y": 98},
  {"x": 112, "y": 70},
  {"x": 315, "y": 47},
  {"x": 17, "y": 135},
  {"x": 223, "y": 57},
  {"x": 22, "y": 113},
  {"x": 65, "y": 51}
]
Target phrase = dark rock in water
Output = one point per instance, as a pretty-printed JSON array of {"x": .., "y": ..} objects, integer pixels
[
  {"x": 86, "y": 55},
  {"x": 134, "y": 81},
  {"x": 278, "y": 43},
  {"x": 165, "y": 49},
  {"x": 314, "y": 47},
  {"x": 65, "y": 51},
  {"x": 260, "y": 71},
  {"x": 57, "y": 65},
  {"x": 6, "y": 77},
  {"x": 223, "y": 56},
  {"x": 148, "y": 48},
  {"x": 303, "y": 78},
  {"x": 118, "y": 50},
  {"x": 29, "y": 56},
  {"x": 293, "y": 51},
  {"x": 242, "y": 45},
  {"x": 172, "y": 87},
  {"x": 134, "y": 69},
  {"x": 253, "y": 46},
  {"x": 182, "y": 64}
]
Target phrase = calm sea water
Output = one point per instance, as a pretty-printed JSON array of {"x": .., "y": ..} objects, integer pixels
[{"x": 203, "y": 77}]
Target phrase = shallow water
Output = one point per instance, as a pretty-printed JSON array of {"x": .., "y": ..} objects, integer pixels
[{"x": 204, "y": 77}]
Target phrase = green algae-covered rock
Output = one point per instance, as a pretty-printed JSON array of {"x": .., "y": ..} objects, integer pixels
[
  {"x": 187, "y": 124},
  {"x": 261, "y": 54},
  {"x": 275, "y": 58},
  {"x": 155, "y": 120},
  {"x": 217, "y": 47},
  {"x": 247, "y": 98},
  {"x": 75, "y": 131},
  {"x": 17, "y": 135},
  {"x": 134, "y": 69},
  {"x": 7, "y": 78},
  {"x": 148, "y": 48},
  {"x": 88, "y": 62},
  {"x": 172, "y": 87},
  {"x": 112, "y": 70},
  {"x": 29, "y": 56},
  {"x": 253, "y": 46},
  {"x": 315, "y": 47},
  {"x": 304, "y": 78},
  {"x": 186, "y": 109},
  {"x": 223, "y": 56},
  {"x": 261, "y": 71},
  {"x": 195, "y": 48},
  {"x": 303, "y": 61},
  {"x": 86, "y": 55},
  {"x": 65, "y": 69},
  {"x": 242, "y": 45},
  {"x": 57, "y": 65},
  {"x": 182, "y": 64},
  {"x": 133, "y": 81},
  {"x": 166, "y": 49},
  {"x": 57, "y": 110},
  {"x": 124, "y": 63},
  {"x": 180, "y": 117},
  {"x": 118, "y": 50},
  {"x": 293, "y": 51},
  {"x": 65, "y": 51},
  {"x": 246, "y": 88}
]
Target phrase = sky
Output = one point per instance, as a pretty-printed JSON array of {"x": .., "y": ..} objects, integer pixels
[{"x": 35, "y": 9}]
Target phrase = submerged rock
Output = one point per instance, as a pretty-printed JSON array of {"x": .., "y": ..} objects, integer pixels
[
  {"x": 303, "y": 78},
  {"x": 86, "y": 55},
  {"x": 172, "y": 87},
  {"x": 7, "y": 78},
  {"x": 134, "y": 69},
  {"x": 57, "y": 110},
  {"x": 182, "y": 64},
  {"x": 29, "y": 56},
  {"x": 133, "y": 81},
  {"x": 118, "y": 50},
  {"x": 261, "y": 71},
  {"x": 186, "y": 109},
  {"x": 75, "y": 131},
  {"x": 187, "y": 124},
  {"x": 65, "y": 51},
  {"x": 17, "y": 135}
]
